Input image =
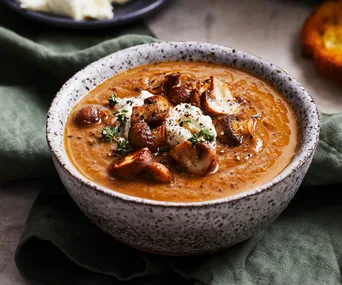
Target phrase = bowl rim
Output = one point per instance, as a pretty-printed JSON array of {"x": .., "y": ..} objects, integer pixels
[{"x": 304, "y": 153}]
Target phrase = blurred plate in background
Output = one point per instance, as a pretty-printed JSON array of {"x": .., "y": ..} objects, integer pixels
[{"x": 122, "y": 14}]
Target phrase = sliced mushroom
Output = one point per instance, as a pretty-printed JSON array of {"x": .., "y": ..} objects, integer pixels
[
  {"x": 153, "y": 112},
  {"x": 178, "y": 95},
  {"x": 131, "y": 165},
  {"x": 140, "y": 135},
  {"x": 137, "y": 114},
  {"x": 174, "y": 90},
  {"x": 156, "y": 110},
  {"x": 156, "y": 89},
  {"x": 159, "y": 172},
  {"x": 155, "y": 83},
  {"x": 225, "y": 131},
  {"x": 172, "y": 80},
  {"x": 197, "y": 160},
  {"x": 217, "y": 99},
  {"x": 160, "y": 138},
  {"x": 195, "y": 98},
  {"x": 232, "y": 131},
  {"x": 178, "y": 79},
  {"x": 90, "y": 114}
]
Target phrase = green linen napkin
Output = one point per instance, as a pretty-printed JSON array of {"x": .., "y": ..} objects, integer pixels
[
  {"x": 326, "y": 167},
  {"x": 60, "y": 246},
  {"x": 304, "y": 246}
]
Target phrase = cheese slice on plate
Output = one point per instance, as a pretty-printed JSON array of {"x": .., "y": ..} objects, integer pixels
[{"x": 76, "y": 9}]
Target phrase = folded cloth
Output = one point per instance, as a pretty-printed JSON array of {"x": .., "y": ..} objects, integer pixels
[
  {"x": 304, "y": 246},
  {"x": 326, "y": 167},
  {"x": 35, "y": 62}
]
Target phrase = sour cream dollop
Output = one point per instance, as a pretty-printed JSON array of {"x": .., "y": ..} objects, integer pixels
[{"x": 184, "y": 121}]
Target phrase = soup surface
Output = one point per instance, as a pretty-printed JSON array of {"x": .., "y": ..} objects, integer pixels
[{"x": 197, "y": 132}]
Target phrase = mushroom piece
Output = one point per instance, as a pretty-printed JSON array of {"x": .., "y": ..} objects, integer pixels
[
  {"x": 225, "y": 131},
  {"x": 137, "y": 114},
  {"x": 178, "y": 95},
  {"x": 156, "y": 110},
  {"x": 90, "y": 114},
  {"x": 140, "y": 136},
  {"x": 198, "y": 160},
  {"x": 160, "y": 138},
  {"x": 195, "y": 98},
  {"x": 231, "y": 131},
  {"x": 159, "y": 172},
  {"x": 178, "y": 79},
  {"x": 217, "y": 99},
  {"x": 131, "y": 165},
  {"x": 153, "y": 112},
  {"x": 174, "y": 90},
  {"x": 172, "y": 80}
]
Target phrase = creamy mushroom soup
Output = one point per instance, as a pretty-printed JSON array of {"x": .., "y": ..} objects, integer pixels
[{"x": 181, "y": 132}]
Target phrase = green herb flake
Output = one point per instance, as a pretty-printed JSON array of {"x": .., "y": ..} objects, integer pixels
[
  {"x": 185, "y": 122},
  {"x": 123, "y": 146},
  {"x": 193, "y": 140},
  {"x": 202, "y": 136},
  {"x": 121, "y": 115},
  {"x": 109, "y": 133},
  {"x": 113, "y": 99},
  {"x": 206, "y": 134}
]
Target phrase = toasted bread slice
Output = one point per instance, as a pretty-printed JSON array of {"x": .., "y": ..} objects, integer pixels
[{"x": 322, "y": 39}]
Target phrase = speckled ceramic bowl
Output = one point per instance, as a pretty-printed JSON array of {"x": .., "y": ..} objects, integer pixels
[{"x": 182, "y": 228}]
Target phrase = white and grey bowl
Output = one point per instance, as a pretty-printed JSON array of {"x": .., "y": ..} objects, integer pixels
[{"x": 182, "y": 228}]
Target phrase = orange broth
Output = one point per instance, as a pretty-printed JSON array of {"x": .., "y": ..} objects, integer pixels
[{"x": 241, "y": 168}]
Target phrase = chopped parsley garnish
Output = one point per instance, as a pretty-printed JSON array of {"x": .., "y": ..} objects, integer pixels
[
  {"x": 123, "y": 146},
  {"x": 203, "y": 135},
  {"x": 109, "y": 133},
  {"x": 257, "y": 116},
  {"x": 193, "y": 140},
  {"x": 113, "y": 99},
  {"x": 185, "y": 122},
  {"x": 121, "y": 115},
  {"x": 206, "y": 134}
]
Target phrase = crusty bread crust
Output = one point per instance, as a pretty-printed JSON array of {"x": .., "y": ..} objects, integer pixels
[{"x": 322, "y": 39}]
